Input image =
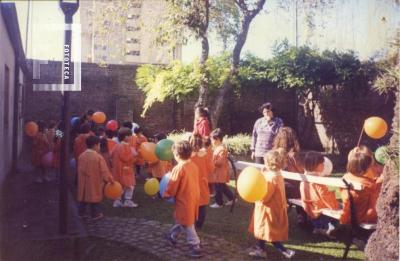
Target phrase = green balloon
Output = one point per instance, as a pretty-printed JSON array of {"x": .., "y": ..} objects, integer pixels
[
  {"x": 164, "y": 149},
  {"x": 381, "y": 155}
]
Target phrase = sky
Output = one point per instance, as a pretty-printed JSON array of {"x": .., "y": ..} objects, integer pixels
[{"x": 365, "y": 26}]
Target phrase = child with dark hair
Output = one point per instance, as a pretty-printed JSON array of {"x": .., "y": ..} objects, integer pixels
[
  {"x": 202, "y": 122},
  {"x": 183, "y": 185},
  {"x": 360, "y": 168},
  {"x": 92, "y": 172},
  {"x": 80, "y": 141},
  {"x": 205, "y": 166},
  {"x": 122, "y": 168},
  {"x": 136, "y": 140},
  {"x": 110, "y": 140},
  {"x": 221, "y": 170},
  {"x": 316, "y": 197},
  {"x": 127, "y": 124},
  {"x": 100, "y": 132},
  {"x": 104, "y": 152},
  {"x": 40, "y": 147}
]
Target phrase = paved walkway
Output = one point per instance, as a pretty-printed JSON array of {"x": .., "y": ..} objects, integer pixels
[{"x": 148, "y": 236}]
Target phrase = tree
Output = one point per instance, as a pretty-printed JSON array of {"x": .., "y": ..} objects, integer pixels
[
  {"x": 384, "y": 242},
  {"x": 231, "y": 19}
]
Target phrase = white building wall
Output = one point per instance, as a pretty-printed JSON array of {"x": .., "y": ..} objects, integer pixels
[{"x": 7, "y": 57}]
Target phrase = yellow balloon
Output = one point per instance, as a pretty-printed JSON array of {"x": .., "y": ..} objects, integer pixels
[
  {"x": 251, "y": 185},
  {"x": 375, "y": 127},
  {"x": 151, "y": 187}
]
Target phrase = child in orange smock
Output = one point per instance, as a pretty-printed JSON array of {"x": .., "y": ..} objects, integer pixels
[
  {"x": 221, "y": 170},
  {"x": 316, "y": 197},
  {"x": 161, "y": 167},
  {"x": 270, "y": 221},
  {"x": 360, "y": 168},
  {"x": 110, "y": 140},
  {"x": 40, "y": 147},
  {"x": 183, "y": 185},
  {"x": 123, "y": 160},
  {"x": 205, "y": 166},
  {"x": 137, "y": 139},
  {"x": 92, "y": 173}
]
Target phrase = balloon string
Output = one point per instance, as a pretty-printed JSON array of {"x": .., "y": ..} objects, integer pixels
[{"x": 361, "y": 134}]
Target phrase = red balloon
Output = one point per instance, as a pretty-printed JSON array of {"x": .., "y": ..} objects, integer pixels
[{"x": 112, "y": 125}]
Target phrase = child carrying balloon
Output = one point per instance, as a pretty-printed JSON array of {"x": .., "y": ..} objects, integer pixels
[
  {"x": 205, "y": 166},
  {"x": 123, "y": 159},
  {"x": 137, "y": 139},
  {"x": 270, "y": 221},
  {"x": 360, "y": 168},
  {"x": 159, "y": 168},
  {"x": 40, "y": 147},
  {"x": 316, "y": 197},
  {"x": 92, "y": 172},
  {"x": 183, "y": 185},
  {"x": 221, "y": 170}
]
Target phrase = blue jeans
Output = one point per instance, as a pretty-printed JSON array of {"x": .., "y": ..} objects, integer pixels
[
  {"x": 278, "y": 245},
  {"x": 324, "y": 222}
]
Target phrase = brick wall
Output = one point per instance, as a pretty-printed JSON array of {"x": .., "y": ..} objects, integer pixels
[{"x": 112, "y": 90}]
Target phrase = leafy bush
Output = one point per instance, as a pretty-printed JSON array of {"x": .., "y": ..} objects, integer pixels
[{"x": 237, "y": 145}]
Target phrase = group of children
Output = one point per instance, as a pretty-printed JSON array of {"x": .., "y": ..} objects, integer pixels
[{"x": 100, "y": 158}]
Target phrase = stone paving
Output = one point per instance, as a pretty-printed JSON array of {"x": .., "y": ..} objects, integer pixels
[{"x": 148, "y": 236}]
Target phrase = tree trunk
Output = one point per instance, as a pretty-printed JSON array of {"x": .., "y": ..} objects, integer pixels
[
  {"x": 240, "y": 41},
  {"x": 205, "y": 49},
  {"x": 384, "y": 242},
  {"x": 203, "y": 91}
]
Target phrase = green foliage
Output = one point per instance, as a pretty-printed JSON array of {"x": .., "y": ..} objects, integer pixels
[
  {"x": 238, "y": 144},
  {"x": 177, "y": 80}
]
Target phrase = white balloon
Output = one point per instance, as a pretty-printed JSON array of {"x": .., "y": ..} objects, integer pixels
[{"x": 328, "y": 167}]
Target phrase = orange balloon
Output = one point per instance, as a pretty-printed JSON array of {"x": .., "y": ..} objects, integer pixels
[
  {"x": 99, "y": 117},
  {"x": 251, "y": 184},
  {"x": 31, "y": 129},
  {"x": 113, "y": 190},
  {"x": 375, "y": 127},
  {"x": 148, "y": 151}
]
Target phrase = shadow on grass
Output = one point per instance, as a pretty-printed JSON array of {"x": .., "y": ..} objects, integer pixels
[{"x": 233, "y": 228}]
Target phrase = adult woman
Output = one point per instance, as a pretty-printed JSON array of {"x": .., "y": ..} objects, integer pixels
[
  {"x": 264, "y": 132},
  {"x": 202, "y": 123}
]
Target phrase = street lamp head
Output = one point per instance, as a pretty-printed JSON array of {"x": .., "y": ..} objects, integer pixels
[{"x": 69, "y": 7}]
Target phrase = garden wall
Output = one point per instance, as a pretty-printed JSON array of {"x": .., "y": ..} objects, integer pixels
[{"x": 112, "y": 89}]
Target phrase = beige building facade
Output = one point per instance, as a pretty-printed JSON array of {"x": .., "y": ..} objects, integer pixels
[{"x": 123, "y": 32}]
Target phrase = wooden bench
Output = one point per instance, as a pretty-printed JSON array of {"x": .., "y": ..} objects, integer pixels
[{"x": 329, "y": 181}]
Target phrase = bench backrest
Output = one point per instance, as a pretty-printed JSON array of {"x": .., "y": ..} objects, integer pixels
[{"x": 329, "y": 181}]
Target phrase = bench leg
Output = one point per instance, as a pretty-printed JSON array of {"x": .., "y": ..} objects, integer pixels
[{"x": 346, "y": 250}]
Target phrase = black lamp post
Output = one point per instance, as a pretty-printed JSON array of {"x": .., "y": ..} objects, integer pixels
[{"x": 69, "y": 8}]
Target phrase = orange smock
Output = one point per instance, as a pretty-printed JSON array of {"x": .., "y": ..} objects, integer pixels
[
  {"x": 270, "y": 220},
  {"x": 92, "y": 172},
  {"x": 122, "y": 161},
  {"x": 183, "y": 185}
]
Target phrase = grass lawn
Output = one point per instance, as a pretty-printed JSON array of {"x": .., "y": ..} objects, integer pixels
[{"x": 233, "y": 227}]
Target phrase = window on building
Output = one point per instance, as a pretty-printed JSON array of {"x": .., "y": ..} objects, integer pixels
[
  {"x": 133, "y": 16},
  {"x": 132, "y": 40},
  {"x": 133, "y": 28},
  {"x": 134, "y": 53}
]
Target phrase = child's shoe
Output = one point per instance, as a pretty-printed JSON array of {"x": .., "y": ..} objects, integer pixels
[
  {"x": 195, "y": 252},
  {"x": 258, "y": 252},
  {"x": 130, "y": 204},
  {"x": 215, "y": 205},
  {"x": 117, "y": 203},
  {"x": 99, "y": 216},
  {"x": 230, "y": 202},
  {"x": 288, "y": 253},
  {"x": 171, "y": 240}
]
